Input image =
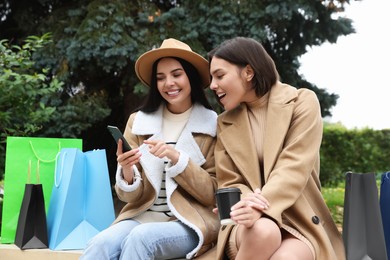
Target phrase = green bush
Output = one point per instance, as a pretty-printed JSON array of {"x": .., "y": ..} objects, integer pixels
[
  {"x": 25, "y": 91},
  {"x": 35, "y": 102},
  {"x": 356, "y": 150},
  {"x": 1, "y": 202}
]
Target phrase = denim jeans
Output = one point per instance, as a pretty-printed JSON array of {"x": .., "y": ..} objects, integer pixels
[{"x": 130, "y": 240}]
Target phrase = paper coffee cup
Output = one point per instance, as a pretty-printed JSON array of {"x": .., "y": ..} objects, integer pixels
[{"x": 226, "y": 198}]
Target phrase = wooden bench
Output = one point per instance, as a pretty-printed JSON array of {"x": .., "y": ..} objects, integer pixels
[{"x": 12, "y": 252}]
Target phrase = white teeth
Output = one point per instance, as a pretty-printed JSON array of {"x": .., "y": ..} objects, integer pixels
[
  {"x": 173, "y": 92},
  {"x": 221, "y": 94}
]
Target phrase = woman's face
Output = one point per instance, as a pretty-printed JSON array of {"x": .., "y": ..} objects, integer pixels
[
  {"x": 230, "y": 83},
  {"x": 174, "y": 85}
]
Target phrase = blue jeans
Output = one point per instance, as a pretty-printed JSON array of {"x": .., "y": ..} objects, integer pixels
[{"x": 130, "y": 240}]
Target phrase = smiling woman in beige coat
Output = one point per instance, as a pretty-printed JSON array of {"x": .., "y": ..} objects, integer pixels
[{"x": 268, "y": 143}]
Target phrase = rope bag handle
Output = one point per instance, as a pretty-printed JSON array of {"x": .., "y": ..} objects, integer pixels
[
  {"x": 57, "y": 183},
  {"x": 29, "y": 172},
  {"x": 43, "y": 160}
]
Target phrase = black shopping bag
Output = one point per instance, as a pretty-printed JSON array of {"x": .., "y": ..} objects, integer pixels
[
  {"x": 362, "y": 222},
  {"x": 384, "y": 202},
  {"x": 31, "y": 231}
]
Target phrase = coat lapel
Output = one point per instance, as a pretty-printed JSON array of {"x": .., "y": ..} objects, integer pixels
[
  {"x": 186, "y": 141},
  {"x": 151, "y": 123},
  {"x": 279, "y": 114},
  {"x": 237, "y": 138}
]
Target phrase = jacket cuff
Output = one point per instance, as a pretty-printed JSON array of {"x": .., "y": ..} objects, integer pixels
[
  {"x": 174, "y": 170},
  {"x": 123, "y": 184}
]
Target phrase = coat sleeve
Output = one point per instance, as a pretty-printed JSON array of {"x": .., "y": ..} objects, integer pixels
[
  {"x": 228, "y": 175},
  {"x": 132, "y": 192}
]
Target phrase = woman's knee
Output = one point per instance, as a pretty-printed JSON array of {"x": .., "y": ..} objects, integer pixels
[
  {"x": 263, "y": 235},
  {"x": 267, "y": 230},
  {"x": 139, "y": 237},
  {"x": 139, "y": 244}
]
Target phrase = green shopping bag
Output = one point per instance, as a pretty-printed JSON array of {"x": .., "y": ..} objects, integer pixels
[{"x": 19, "y": 151}]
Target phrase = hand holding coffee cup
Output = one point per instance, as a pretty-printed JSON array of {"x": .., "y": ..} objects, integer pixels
[{"x": 226, "y": 198}]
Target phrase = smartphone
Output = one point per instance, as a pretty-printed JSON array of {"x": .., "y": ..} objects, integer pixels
[{"x": 117, "y": 134}]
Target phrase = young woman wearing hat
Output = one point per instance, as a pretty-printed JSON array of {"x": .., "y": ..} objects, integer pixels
[
  {"x": 274, "y": 162},
  {"x": 168, "y": 178}
]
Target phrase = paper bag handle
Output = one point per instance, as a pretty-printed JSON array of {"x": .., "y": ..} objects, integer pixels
[
  {"x": 29, "y": 172},
  {"x": 57, "y": 183},
  {"x": 43, "y": 160}
]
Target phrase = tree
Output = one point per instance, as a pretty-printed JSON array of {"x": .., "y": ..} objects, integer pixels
[{"x": 96, "y": 43}]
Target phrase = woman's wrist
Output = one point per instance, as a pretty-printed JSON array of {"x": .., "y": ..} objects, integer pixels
[
  {"x": 175, "y": 158},
  {"x": 128, "y": 175}
]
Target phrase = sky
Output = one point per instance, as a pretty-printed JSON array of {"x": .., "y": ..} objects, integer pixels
[{"x": 357, "y": 67}]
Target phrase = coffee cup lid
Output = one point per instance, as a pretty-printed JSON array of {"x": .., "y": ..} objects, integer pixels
[{"x": 227, "y": 190}]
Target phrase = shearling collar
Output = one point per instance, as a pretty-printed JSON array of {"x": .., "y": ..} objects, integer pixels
[{"x": 150, "y": 124}]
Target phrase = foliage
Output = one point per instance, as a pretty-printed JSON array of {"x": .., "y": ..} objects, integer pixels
[
  {"x": 286, "y": 29},
  {"x": 334, "y": 198},
  {"x": 24, "y": 91},
  {"x": 31, "y": 99},
  {"x": 356, "y": 150},
  {"x": 96, "y": 43}
]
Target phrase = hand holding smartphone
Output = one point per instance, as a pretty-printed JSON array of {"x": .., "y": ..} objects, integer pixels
[{"x": 117, "y": 134}]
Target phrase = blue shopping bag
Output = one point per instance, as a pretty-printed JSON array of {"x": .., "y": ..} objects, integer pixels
[
  {"x": 81, "y": 203},
  {"x": 384, "y": 200}
]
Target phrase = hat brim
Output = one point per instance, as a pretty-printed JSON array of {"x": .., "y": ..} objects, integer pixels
[{"x": 143, "y": 66}]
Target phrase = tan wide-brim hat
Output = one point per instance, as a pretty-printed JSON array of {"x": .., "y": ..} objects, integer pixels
[{"x": 171, "y": 48}]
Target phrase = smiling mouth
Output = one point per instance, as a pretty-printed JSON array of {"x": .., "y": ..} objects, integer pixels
[
  {"x": 221, "y": 95},
  {"x": 173, "y": 92}
]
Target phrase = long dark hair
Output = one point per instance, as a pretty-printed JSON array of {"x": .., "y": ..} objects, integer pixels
[
  {"x": 154, "y": 99},
  {"x": 242, "y": 51}
]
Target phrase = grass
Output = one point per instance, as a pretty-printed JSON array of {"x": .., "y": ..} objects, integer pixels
[{"x": 334, "y": 198}]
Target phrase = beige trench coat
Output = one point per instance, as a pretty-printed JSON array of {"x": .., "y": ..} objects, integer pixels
[{"x": 292, "y": 141}]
